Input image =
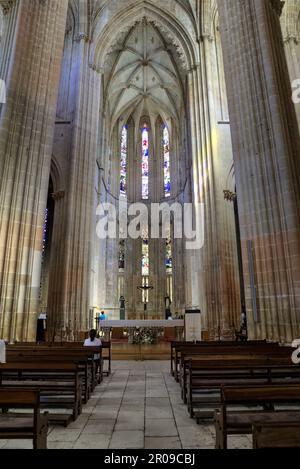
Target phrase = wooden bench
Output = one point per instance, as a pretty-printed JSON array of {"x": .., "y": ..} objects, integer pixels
[
  {"x": 221, "y": 348},
  {"x": 262, "y": 399},
  {"x": 279, "y": 435},
  {"x": 106, "y": 353},
  {"x": 177, "y": 345},
  {"x": 206, "y": 380},
  {"x": 34, "y": 426},
  {"x": 231, "y": 355},
  {"x": 83, "y": 357},
  {"x": 106, "y": 349},
  {"x": 59, "y": 384}
]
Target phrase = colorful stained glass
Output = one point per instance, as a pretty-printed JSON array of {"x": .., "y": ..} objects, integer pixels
[
  {"x": 122, "y": 255},
  {"x": 124, "y": 149},
  {"x": 145, "y": 293},
  {"x": 145, "y": 163},
  {"x": 169, "y": 258},
  {"x": 145, "y": 258},
  {"x": 45, "y": 230},
  {"x": 167, "y": 171}
]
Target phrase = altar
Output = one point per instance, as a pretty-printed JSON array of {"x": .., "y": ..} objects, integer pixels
[{"x": 142, "y": 331}]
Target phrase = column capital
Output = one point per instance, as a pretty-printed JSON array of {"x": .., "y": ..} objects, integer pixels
[
  {"x": 58, "y": 195},
  {"x": 277, "y": 6},
  {"x": 96, "y": 68},
  {"x": 291, "y": 38},
  {"x": 82, "y": 37},
  {"x": 206, "y": 37},
  {"x": 6, "y": 5}
]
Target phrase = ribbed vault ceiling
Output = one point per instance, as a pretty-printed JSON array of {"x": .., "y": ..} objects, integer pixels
[{"x": 143, "y": 77}]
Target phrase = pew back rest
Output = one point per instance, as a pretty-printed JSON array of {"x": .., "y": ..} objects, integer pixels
[
  {"x": 19, "y": 398},
  {"x": 252, "y": 395},
  {"x": 279, "y": 435}
]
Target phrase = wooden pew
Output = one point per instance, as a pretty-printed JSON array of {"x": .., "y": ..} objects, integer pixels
[
  {"x": 206, "y": 380},
  {"x": 34, "y": 426},
  {"x": 218, "y": 348},
  {"x": 59, "y": 384},
  {"x": 106, "y": 351},
  {"x": 173, "y": 346},
  {"x": 83, "y": 356},
  {"x": 279, "y": 435},
  {"x": 231, "y": 353},
  {"x": 178, "y": 344},
  {"x": 230, "y": 421}
]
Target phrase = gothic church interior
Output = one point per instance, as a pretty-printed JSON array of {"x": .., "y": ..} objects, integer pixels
[{"x": 186, "y": 105}]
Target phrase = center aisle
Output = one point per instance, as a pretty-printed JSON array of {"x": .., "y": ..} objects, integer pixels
[{"x": 138, "y": 406}]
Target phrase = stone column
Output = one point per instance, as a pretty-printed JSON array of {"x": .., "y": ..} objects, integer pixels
[
  {"x": 195, "y": 296},
  {"x": 267, "y": 165},
  {"x": 55, "y": 314},
  {"x": 291, "y": 38},
  {"x": 82, "y": 194},
  {"x": 211, "y": 285},
  {"x": 26, "y": 135}
]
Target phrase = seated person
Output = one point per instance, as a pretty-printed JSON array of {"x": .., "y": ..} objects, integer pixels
[{"x": 94, "y": 341}]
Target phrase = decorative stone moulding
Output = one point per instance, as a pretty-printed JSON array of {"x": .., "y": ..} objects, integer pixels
[
  {"x": 82, "y": 37},
  {"x": 96, "y": 68},
  {"x": 58, "y": 195},
  {"x": 230, "y": 196},
  {"x": 7, "y": 5},
  {"x": 277, "y": 6},
  {"x": 291, "y": 38}
]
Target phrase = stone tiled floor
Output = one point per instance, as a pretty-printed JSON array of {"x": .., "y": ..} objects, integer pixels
[{"x": 138, "y": 406}]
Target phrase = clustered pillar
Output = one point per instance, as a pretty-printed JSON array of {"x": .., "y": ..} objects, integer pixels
[
  {"x": 26, "y": 137},
  {"x": 266, "y": 154}
]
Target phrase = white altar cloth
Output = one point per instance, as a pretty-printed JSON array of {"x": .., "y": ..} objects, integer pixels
[{"x": 140, "y": 323}]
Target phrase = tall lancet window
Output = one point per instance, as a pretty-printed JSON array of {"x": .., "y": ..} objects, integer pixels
[
  {"x": 169, "y": 268},
  {"x": 145, "y": 162},
  {"x": 45, "y": 230},
  {"x": 145, "y": 269},
  {"x": 122, "y": 255},
  {"x": 167, "y": 172},
  {"x": 169, "y": 258},
  {"x": 145, "y": 258},
  {"x": 124, "y": 152}
]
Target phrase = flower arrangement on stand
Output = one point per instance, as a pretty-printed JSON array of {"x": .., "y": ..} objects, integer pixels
[{"x": 144, "y": 335}]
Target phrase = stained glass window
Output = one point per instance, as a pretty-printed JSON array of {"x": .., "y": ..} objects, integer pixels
[
  {"x": 124, "y": 149},
  {"x": 45, "y": 230},
  {"x": 145, "y": 163},
  {"x": 145, "y": 258},
  {"x": 169, "y": 258},
  {"x": 167, "y": 172},
  {"x": 122, "y": 255}
]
